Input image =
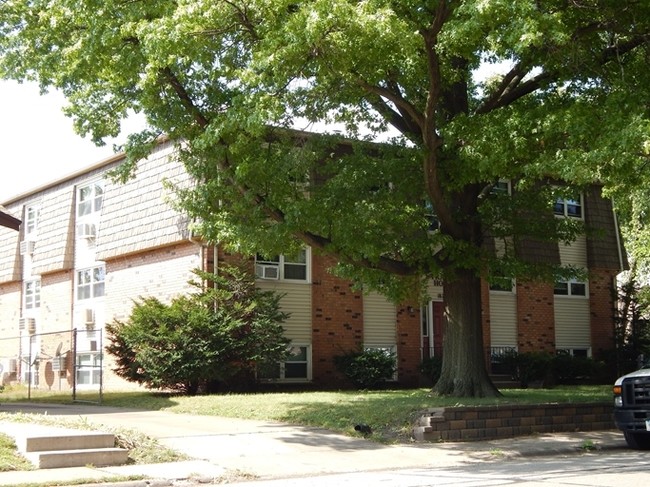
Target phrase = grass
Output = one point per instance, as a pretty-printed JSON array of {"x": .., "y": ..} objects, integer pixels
[
  {"x": 389, "y": 412},
  {"x": 10, "y": 460}
]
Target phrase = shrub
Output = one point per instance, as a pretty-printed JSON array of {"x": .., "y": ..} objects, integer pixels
[
  {"x": 367, "y": 369},
  {"x": 200, "y": 341},
  {"x": 568, "y": 369},
  {"x": 431, "y": 367}
]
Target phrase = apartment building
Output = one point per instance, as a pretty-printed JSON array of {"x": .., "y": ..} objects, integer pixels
[{"x": 88, "y": 246}]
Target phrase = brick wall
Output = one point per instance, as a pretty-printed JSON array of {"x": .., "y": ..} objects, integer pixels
[
  {"x": 535, "y": 319},
  {"x": 337, "y": 320},
  {"x": 601, "y": 308},
  {"x": 161, "y": 273},
  {"x": 507, "y": 421},
  {"x": 408, "y": 345},
  {"x": 485, "y": 315},
  {"x": 57, "y": 291}
]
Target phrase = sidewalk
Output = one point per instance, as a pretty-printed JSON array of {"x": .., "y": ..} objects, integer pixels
[{"x": 261, "y": 450}]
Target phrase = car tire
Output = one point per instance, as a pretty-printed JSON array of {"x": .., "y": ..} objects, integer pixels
[{"x": 636, "y": 440}]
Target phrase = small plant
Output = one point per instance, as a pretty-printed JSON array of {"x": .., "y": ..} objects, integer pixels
[
  {"x": 588, "y": 445},
  {"x": 367, "y": 369}
]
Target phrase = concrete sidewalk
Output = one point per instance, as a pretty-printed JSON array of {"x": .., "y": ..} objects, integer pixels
[{"x": 260, "y": 450}]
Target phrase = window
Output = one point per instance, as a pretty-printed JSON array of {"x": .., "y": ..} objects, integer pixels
[
  {"x": 568, "y": 207},
  {"x": 32, "y": 294},
  {"x": 90, "y": 198},
  {"x": 570, "y": 288},
  {"x": 288, "y": 268},
  {"x": 32, "y": 216},
  {"x": 295, "y": 367},
  {"x": 432, "y": 218},
  {"x": 90, "y": 282},
  {"x": 501, "y": 187},
  {"x": 575, "y": 352},
  {"x": 89, "y": 369}
]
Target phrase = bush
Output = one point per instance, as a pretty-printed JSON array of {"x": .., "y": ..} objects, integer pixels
[
  {"x": 367, "y": 369},
  {"x": 562, "y": 368},
  {"x": 201, "y": 341},
  {"x": 533, "y": 367},
  {"x": 569, "y": 370},
  {"x": 431, "y": 367}
]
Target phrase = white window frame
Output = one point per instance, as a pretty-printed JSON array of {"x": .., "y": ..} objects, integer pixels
[
  {"x": 570, "y": 289},
  {"x": 90, "y": 199},
  {"x": 283, "y": 366},
  {"x": 502, "y": 186},
  {"x": 562, "y": 205},
  {"x": 32, "y": 294},
  {"x": 281, "y": 262},
  {"x": 32, "y": 218},
  {"x": 93, "y": 284},
  {"x": 89, "y": 363}
]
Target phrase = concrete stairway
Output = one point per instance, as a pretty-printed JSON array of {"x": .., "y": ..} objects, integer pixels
[{"x": 53, "y": 447}]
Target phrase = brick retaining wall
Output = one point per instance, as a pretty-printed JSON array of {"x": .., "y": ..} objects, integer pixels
[{"x": 507, "y": 421}]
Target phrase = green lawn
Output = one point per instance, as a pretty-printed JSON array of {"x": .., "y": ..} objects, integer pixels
[{"x": 390, "y": 412}]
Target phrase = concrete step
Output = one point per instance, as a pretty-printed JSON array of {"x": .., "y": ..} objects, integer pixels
[
  {"x": 54, "y": 447},
  {"x": 99, "y": 457},
  {"x": 72, "y": 440}
]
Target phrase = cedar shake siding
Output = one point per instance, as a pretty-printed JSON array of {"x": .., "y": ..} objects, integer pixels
[{"x": 137, "y": 243}]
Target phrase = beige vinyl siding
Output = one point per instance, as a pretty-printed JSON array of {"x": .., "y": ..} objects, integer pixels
[
  {"x": 297, "y": 302},
  {"x": 379, "y": 317},
  {"x": 503, "y": 319},
  {"x": 572, "y": 323},
  {"x": 434, "y": 289},
  {"x": 575, "y": 253}
]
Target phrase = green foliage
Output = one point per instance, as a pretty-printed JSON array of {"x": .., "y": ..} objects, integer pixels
[
  {"x": 455, "y": 95},
  {"x": 632, "y": 324},
  {"x": 551, "y": 369},
  {"x": 203, "y": 340},
  {"x": 431, "y": 368},
  {"x": 568, "y": 369},
  {"x": 367, "y": 369}
]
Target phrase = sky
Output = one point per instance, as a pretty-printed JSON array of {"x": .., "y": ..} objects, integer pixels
[{"x": 37, "y": 142}]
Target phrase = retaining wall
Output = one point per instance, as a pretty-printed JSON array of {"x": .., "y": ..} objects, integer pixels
[{"x": 507, "y": 421}]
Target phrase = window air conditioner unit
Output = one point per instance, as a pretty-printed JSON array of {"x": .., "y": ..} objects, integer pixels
[
  {"x": 28, "y": 324},
  {"x": 27, "y": 247},
  {"x": 89, "y": 317},
  {"x": 86, "y": 230},
  {"x": 267, "y": 271},
  {"x": 13, "y": 366},
  {"x": 93, "y": 345}
]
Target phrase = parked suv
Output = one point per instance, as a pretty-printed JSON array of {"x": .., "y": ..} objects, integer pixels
[{"x": 632, "y": 407}]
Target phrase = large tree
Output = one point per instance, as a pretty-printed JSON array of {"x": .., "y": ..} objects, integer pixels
[{"x": 566, "y": 102}]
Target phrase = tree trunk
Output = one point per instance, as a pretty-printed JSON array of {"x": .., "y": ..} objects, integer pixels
[{"x": 463, "y": 361}]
